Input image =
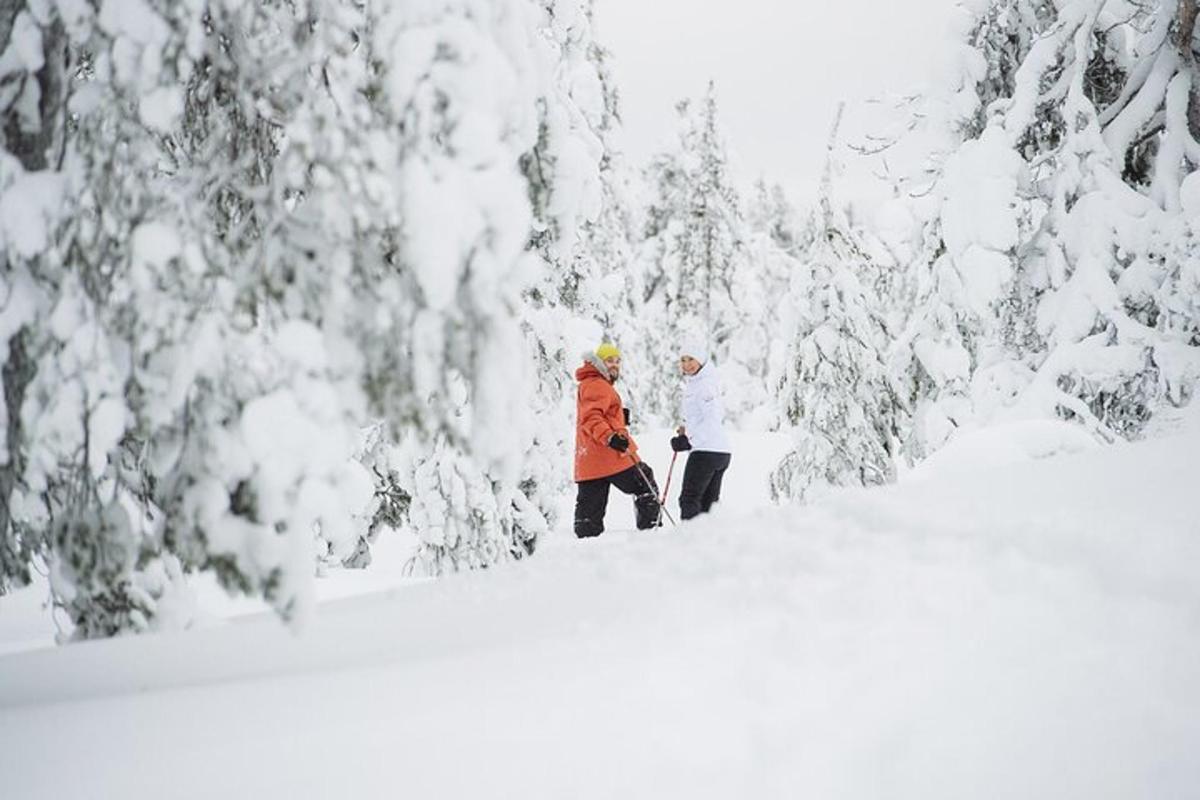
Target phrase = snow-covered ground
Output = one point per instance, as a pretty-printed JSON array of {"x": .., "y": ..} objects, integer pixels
[{"x": 1027, "y": 629}]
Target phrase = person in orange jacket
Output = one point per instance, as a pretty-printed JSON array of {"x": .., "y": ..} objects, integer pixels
[{"x": 605, "y": 453}]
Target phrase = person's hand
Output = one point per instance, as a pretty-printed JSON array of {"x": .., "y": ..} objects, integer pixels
[
  {"x": 680, "y": 443},
  {"x": 618, "y": 442}
]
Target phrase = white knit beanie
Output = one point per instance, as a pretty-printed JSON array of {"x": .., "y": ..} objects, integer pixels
[{"x": 694, "y": 346}]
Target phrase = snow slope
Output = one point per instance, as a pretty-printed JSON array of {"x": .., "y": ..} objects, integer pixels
[{"x": 1027, "y": 630}]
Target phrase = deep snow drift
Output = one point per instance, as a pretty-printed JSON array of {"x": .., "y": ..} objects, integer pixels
[{"x": 1026, "y": 630}]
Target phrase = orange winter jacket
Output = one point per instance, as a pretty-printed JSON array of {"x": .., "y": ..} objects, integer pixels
[{"x": 598, "y": 416}]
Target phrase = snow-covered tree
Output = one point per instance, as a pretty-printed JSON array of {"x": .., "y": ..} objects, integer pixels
[
  {"x": 757, "y": 345},
  {"x": 143, "y": 371},
  {"x": 574, "y": 237},
  {"x": 834, "y": 392},
  {"x": 708, "y": 245},
  {"x": 570, "y": 173},
  {"x": 1114, "y": 193},
  {"x": 236, "y": 253},
  {"x": 1054, "y": 219},
  {"x": 695, "y": 245}
]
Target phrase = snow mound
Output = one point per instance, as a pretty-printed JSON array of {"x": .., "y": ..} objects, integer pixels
[
  {"x": 1027, "y": 628},
  {"x": 1004, "y": 444}
]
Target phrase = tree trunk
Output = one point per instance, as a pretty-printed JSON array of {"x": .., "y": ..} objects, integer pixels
[
  {"x": 15, "y": 553},
  {"x": 1185, "y": 32},
  {"x": 33, "y": 147},
  {"x": 8, "y": 15}
]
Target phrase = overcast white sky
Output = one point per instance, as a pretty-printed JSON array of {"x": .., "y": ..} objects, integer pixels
[{"x": 781, "y": 67}]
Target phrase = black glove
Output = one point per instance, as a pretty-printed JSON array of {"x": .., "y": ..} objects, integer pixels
[
  {"x": 680, "y": 443},
  {"x": 618, "y": 442}
]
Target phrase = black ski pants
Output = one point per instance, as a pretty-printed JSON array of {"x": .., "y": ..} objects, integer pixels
[
  {"x": 591, "y": 501},
  {"x": 701, "y": 482}
]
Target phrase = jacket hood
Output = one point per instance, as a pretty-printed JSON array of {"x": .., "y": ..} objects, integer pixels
[
  {"x": 592, "y": 367},
  {"x": 695, "y": 347}
]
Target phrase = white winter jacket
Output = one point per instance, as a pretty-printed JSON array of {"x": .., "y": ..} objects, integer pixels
[{"x": 703, "y": 412}]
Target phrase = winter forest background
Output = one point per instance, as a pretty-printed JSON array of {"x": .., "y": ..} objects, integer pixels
[{"x": 281, "y": 278}]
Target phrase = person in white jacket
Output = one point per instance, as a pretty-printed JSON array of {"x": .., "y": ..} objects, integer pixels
[{"x": 702, "y": 433}]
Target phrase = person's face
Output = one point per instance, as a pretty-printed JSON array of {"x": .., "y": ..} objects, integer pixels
[
  {"x": 689, "y": 365},
  {"x": 614, "y": 366}
]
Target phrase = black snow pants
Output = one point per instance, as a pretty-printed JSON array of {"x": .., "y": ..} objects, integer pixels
[
  {"x": 701, "y": 482},
  {"x": 592, "y": 499}
]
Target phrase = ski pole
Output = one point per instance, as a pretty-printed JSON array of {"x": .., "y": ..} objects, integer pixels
[
  {"x": 667, "y": 486},
  {"x": 661, "y": 508}
]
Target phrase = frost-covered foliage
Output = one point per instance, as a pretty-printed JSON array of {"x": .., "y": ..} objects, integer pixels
[
  {"x": 471, "y": 269},
  {"x": 695, "y": 244},
  {"x": 154, "y": 425},
  {"x": 833, "y": 392},
  {"x": 281, "y": 276},
  {"x": 464, "y": 517},
  {"x": 756, "y": 352},
  {"x": 1054, "y": 275},
  {"x": 571, "y": 104},
  {"x": 261, "y": 226},
  {"x": 580, "y": 235}
]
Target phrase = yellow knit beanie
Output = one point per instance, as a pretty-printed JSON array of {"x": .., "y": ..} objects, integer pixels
[{"x": 607, "y": 350}]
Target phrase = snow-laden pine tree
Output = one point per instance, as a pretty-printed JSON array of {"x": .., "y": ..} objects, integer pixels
[
  {"x": 1106, "y": 255},
  {"x": 1052, "y": 253},
  {"x": 141, "y": 369},
  {"x": 953, "y": 301},
  {"x": 570, "y": 172},
  {"x": 650, "y": 342},
  {"x": 757, "y": 344},
  {"x": 709, "y": 244},
  {"x": 574, "y": 236},
  {"x": 694, "y": 247},
  {"x": 834, "y": 393},
  {"x": 237, "y": 253}
]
